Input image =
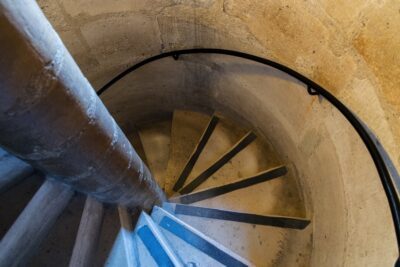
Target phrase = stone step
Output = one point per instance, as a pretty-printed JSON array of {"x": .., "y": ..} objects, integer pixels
[
  {"x": 151, "y": 239},
  {"x": 88, "y": 234},
  {"x": 230, "y": 187},
  {"x": 218, "y": 164},
  {"x": 196, "y": 153},
  {"x": 193, "y": 246},
  {"x": 34, "y": 223},
  {"x": 234, "y": 216},
  {"x": 12, "y": 170},
  {"x": 186, "y": 129},
  {"x": 155, "y": 139}
]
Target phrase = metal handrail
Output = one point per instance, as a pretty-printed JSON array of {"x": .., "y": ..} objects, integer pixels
[{"x": 384, "y": 166}]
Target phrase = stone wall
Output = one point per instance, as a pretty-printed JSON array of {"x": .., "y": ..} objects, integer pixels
[
  {"x": 339, "y": 184},
  {"x": 349, "y": 47}
]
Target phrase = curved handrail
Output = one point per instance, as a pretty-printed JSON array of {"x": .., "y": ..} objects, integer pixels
[{"x": 382, "y": 162}]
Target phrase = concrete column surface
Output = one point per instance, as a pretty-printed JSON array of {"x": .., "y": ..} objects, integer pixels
[{"x": 51, "y": 117}]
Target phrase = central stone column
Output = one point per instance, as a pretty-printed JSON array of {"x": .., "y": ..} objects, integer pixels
[{"x": 51, "y": 117}]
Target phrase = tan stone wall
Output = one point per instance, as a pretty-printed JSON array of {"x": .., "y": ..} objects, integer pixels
[
  {"x": 341, "y": 189},
  {"x": 350, "y": 47}
]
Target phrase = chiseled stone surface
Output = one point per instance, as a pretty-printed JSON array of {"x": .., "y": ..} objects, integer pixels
[
  {"x": 349, "y": 47},
  {"x": 340, "y": 44},
  {"x": 339, "y": 183},
  {"x": 78, "y": 141},
  {"x": 115, "y": 38}
]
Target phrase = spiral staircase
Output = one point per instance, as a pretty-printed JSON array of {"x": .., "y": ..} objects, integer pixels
[
  {"x": 232, "y": 199},
  {"x": 231, "y": 202},
  {"x": 242, "y": 172}
]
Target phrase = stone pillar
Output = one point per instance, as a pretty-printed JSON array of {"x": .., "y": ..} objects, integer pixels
[{"x": 51, "y": 117}]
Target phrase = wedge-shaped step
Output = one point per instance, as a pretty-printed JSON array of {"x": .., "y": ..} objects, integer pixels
[
  {"x": 118, "y": 255},
  {"x": 124, "y": 251},
  {"x": 144, "y": 256},
  {"x": 186, "y": 130},
  {"x": 220, "y": 190},
  {"x": 154, "y": 145},
  {"x": 239, "y": 146},
  {"x": 88, "y": 234},
  {"x": 34, "y": 223},
  {"x": 187, "y": 253},
  {"x": 155, "y": 243},
  {"x": 12, "y": 170},
  {"x": 137, "y": 144},
  {"x": 193, "y": 246},
  {"x": 196, "y": 153},
  {"x": 228, "y": 215}
]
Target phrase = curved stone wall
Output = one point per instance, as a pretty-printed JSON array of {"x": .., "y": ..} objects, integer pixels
[
  {"x": 350, "y": 48},
  {"x": 341, "y": 188}
]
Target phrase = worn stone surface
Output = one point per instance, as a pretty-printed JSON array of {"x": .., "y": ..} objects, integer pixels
[
  {"x": 378, "y": 43},
  {"x": 51, "y": 117},
  {"x": 31, "y": 227},
  {"x": 87, "y": 236},
  {"x": 156, "y": 140},
  {"x": 349, "y": 47},
  {"x": 65, "y": 229},
  {"x": 12, "y": 170},
  {"x": 186, "y": 130},
  {"x": 334, "y": 43},
  {"x": 261, "y": 245},
  {"x": 17, "y": 197},
  {"x": 307, "y": 132},
  {"x": 115, "y": 38}
]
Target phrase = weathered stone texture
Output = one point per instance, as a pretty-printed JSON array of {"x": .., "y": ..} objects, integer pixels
[
  {"x": 51, "y": 117},
  {"x": 333, "y": 42},
  {"x": 349, "y": 47}
]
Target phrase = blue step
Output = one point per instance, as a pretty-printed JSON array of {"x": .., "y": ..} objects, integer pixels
[
  {"x": 151, "y": 240},
  {"x": 185, "y": 251},
  {"x": 193, "y": 246},
  {"x": 145, "y": 259},
  {"x": 119, "y": 253}
]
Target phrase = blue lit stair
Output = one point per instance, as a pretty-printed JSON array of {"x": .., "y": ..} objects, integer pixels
[
  {"x": 150, "y": 241},
  {"x": 193, "y": 246},
  {"x": 164, "y": 240},
  {"x": 119, "y": 254}
]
